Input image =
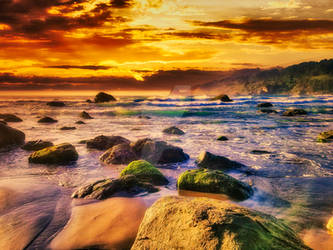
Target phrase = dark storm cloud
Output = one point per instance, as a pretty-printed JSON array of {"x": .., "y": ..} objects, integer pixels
[
  {"x": 89, "y": 67},
  {"x": 121, "y": 3}
]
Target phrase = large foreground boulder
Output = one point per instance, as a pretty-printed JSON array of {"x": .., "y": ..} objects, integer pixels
[
  {"x": 103, "y": 142},
  {"x": 201, "y": 223},
  {"x": 36, "y": 145},
  {"x": 10, "y": 137},
  {"x": 104, "y": 97},
  {"x": 222, "y": 98},
  {"x": 10, "y": 118},
  {"x": 294, "y": 112},
  {"x": 214, "y": 181},
  {"x": 211, "y": 161},
  {"x": 61, "y": 154},
  {"x": 103, "y": 189},
  {"x": 325, "y": 136},
  {"x": 159, "y": 152},
  {"x": 145, "y": 171},
  {"x": 119, "y": 154}
]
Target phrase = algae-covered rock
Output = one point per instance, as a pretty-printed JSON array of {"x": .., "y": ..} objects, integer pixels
[
  {"x": 211, "y": 161},
  {"x": 104, "y": 97},
  {"x": 214, "y": 181},
  {"x": 106, "y": 188},
  {"x": 103, "y": 142},
  {"x": 85, "y": 115},
  {"x": 201, "y": 223},
  {"x": 36, "y": 145},
  {"x": 59, "y": 154},
  {"x": 325, "y": 136},
  {"x": 222, "y": 138},
  {"x": 145, "y": 171},
  {"x": 47, "y": 119},
  {"x": 119, "y": 154},
  {"x": 222, "y": 98},
  {"x": 10, "y": 118},
  {"x": 173, "y": 131},
  {"x": 10, "y": 137},
  {"x": 294, "y": 112}
]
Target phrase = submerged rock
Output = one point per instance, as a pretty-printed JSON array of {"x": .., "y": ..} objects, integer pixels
[
  {"x": 265, "y": 105},
  {"x": 214, "y": 181},
  {"x": 56, "y": 104},
  {"x": 67, "y": 128},
  {"x": 268, "y": 111},
  {"x": 211, "y": 161},
  {"x": 105, "y": 142},
  {"x": 145, "y": 171},
  {"x": 106, "y": 188},
  {"x": 47, "y": 119},
  {"x": 173, "y": 131},
  {"x": 85, "y": 115},
  {"x": 294, "y": 112},
  {"x": 222, "y": 138},
  {"x": 36, "y": 145},
  {"x": 201, "y": 223},
  {"x": 223, "y": 98},
  {"x": 119, "y": 154},
  {"x": 10, "y": 137},
  {"x": 260, "y": 152},
  {"x": 61, "y": 154},
  {"x": 104, "y": 97},
  {"x": 159, "y": 151},
  {"x": 80, "y": 122},
  {"x": 326, "y": 136},
  {"x": 10, "y": 118}
]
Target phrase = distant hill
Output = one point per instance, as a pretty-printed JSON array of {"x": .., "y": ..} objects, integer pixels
[{"x": 304, "y": 78}]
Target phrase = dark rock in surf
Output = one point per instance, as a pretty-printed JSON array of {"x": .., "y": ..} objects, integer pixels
[
  {"x": 211, "y": 161},
  {"x": 265, "y": 105},
  {"x": 105, "y": 142},
  {"x": 36, "y": 145},
  {"x": 56, "y": 104},
  {"x": 104, "y": 97},
  {"x": 67, "y": 128},
  {"x": 89, "y": 101},
  {"x": 47, "y": 119},
  {"x": 10, "y": 137},
  {"x": 268, "y": 111},
  {"x": 260, "y": 152},
  {"x": 222, "y": 98},
  {"x": 85, "y": 115},
  {"x": 325, "y": 136},
  {"x": 173, "y": 131},
  {"x": 119, "y": 154},
  {"x": 294, "y": 112},
  {"x": 10, "y": 118},
  {"x": 3, "y": 122},
  {"x": 80, "y": 122},
  {"x": 222, "y": 138}
]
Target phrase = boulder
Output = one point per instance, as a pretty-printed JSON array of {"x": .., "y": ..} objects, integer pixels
[
  {"x": 173, "y": 131},
  {"x": 222, "y": 98},
  {"x": 214, "y": 181},
  {"x": 85, "y": 115},
  {"x": 105, "y": 142},
  {"x": 56, "y": 104},
  {"x": 67, "y": 128},
  {"x": 158, "y": 151},
  {"x": 222, "y": 138},
  {"x": 211, "y": 161},
  {"x": 10, "y": 137},
  {"x": 260, "y": 152},
  {"x": 145, "y": 171},
  {"x": 119, "y": 154},
  {"x": 265, "y": 105},
  {"x": 80, "y": 122},
  {"x": 104, "y": 97},
  {"x": 104, "y": 189},
  {"x": 294, "y": 112},
  {"x": 36, "y": 145},
  {"x": 61, "y": 154},
  {"x": 89, "y": 101},
  {"x": 268, "y": 111},
  {"x": 47, "y": 119},
  {"x": 325, "y": 136},
  {"x": 3, "y": 122},
  {"x": 201, "y": 223},
  {"x": 10, "y": 118}
]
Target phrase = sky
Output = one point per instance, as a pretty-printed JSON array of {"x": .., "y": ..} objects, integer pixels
[{"x": 154, "y": 44}]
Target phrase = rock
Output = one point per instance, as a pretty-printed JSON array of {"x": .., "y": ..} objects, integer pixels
[
  {"x": 80, "y": 122},
  {"x": 119, "y": 154},
  {"x": 105, "y": 142},
  {"x": 329, "y": 225},
  {"x": 265, "y": 105},
  {"x": 47, "y": 119},
  {"x": 158, "y": 151},
  {"x": 145, "y": 171},
  {"x": 211, "y": 161},
  {"x": 56, "y": 104},
  {"x": 10, "y": 137},
  {"x": 67, "y": 128},
  {"x": 89, "y": 101},
  {"x": 144, "y": 117},
  {"x": 36, "y": 145},
  {"x": 268, "y": 111},
  {"x": 201, "y": 223},
  {"x": 260, "y": 152},
  {"x": 3, "y": 122},
  {"x": 85, "y": 115},
  {"x": 173, "y": 131},
  {"x": 325, "y": 136},
  {"x": 223, "y": 98},
  {"x": 103, "y": 97},
  {"x": 214, "y": 181},
  {"x": 294, "y": 112},
  {"x": 104, "y": 189},
  {"x": 61, "y": 154},
  {"x": 222, "y": 138},
  {"x": 82, "y": 142},
  {"x": 10, "y": 118}
]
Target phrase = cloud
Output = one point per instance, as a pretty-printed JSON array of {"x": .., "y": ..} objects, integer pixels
[{"x": 89, "y": 67}]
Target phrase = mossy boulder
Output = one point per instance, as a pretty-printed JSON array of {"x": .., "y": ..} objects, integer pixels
[
  {"x": 211, "y": 161},
  {"x": 222, "y": 138},
  {"x": 294, "y": 112},
  {"x": 201, "y": 223},
  {"x": 103, "y": 142},
  {"x": 85, "y": 115},
  {"x": 325, "y": 136},
  {"x": 214, "y": 181},
  {"x": 36, "y": 145},
  {"x": 10, "y": 118},
  {"x": 119, "y": 154},
  {"x": 56, "y": 104},
  {"x": 145, "y": 171},
  {"x": 265, "y": 105},
  {"x": 104, "y": 97},
  {"x": 222, "y": 98},
  {"x": 61, "y": 154},
  {"x": 173, "y": 131},
  {"x": 47, "y": 119},
  {"x": 103, "y": 189},
  {"x": 10, "y": 137}
]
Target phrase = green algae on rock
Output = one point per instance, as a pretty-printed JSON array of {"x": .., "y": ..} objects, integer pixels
[
  {"x": 61, "y": 154},
  {"x": 326, "y": 136},
  {"x": 145, "y": 171},
  {"x": 214, "y": 181}
]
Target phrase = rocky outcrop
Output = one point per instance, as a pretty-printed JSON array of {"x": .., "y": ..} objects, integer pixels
[
  {"x": 145, "y": 171},
  {"x": 105, "y": 142},
  {"x": 214, "y": 181},
  {"x": 211, "y": 161},
  {"x": 61, "y": 154},
  {"x": 201, "y": 223},
  {"x": 326, "y": 136},
  {"x": 119, "y": 154},
  {"x": 47, "y": 119},
  {"x": 173, "y": 131},
  {"x": 222, "y": 98},
  {"x": 36, "y": 145},
  {"x": 56, "y": 104},
  {"x": 10, "y": 137},
  {"x": 85, "y": 115},
  {"x": 104, "y": 97},
  {"x": 294, "y": 112},
  {"x": 10, "y": 118}
]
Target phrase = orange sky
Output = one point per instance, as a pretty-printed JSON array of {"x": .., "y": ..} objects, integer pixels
[{"x": 91, "y": 43}]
